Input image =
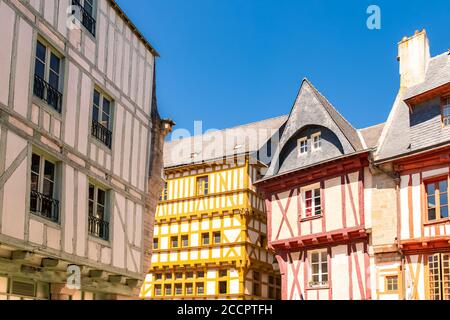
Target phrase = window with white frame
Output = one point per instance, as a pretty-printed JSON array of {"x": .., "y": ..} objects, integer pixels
[
  {"x": 47, "y": 75},
  {"x": 43, "y": 198},
  {"x": 98, "y": 217},
  {"x": 101, "y": 118},
  {"x": 87, "y": 14},
  {"x": 303, "y": 146},
  {"x": 313, "y": 202},
  {"x": 316, "y": 141},
  {"x": 319, "y": 269}
]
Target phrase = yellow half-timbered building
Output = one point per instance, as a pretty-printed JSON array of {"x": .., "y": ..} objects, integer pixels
[{"x": 210, "y": 230}]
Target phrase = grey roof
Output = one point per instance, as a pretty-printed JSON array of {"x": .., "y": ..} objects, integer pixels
[
  {"x": 438, "y": 74},
  {"x": 372, "y": 134},
  {"x": 245, "y": 139},
  {"x": 347, "y": 129},
  {"x": 406, "y": 133},
  {"x": 311, "y": 108}
]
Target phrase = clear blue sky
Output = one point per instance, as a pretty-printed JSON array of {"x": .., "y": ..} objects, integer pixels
[{"x": 230, "y": 62}]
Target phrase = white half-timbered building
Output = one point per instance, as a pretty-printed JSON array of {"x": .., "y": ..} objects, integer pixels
[{"x": 78, "y": 119}]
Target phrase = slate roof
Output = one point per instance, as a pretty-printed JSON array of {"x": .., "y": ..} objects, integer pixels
[
  {"x": 396, "y": 138},
  {"x": 244, "y": 139},
  {"x": 372, "y": 134},
  {"x": 347, "y": 129},
  {"x": 438, "y": 74}
]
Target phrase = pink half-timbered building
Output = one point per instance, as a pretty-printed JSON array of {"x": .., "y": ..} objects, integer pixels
[{"x": 315, "y": 191}]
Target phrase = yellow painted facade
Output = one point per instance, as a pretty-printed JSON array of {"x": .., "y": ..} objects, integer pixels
[{"x": 210, "y": 237}]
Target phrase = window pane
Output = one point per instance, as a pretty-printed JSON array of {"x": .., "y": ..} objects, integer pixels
[
  {"x": 41, "y": 51},
  {"x": 431, "y": 201},
  {"x": 106, "y": 106},
  {"x": 53, "y": 80},
  {"x": 49, "y": 171},
  {"x": 432, "y": 214},
  {"x": 39, "y": 69},
  {"x": 444, "y": 199},
  {"x": 315, "y": 257},
  {"x": 443, "y": 186},
  {"x": 447, "y": 110},
  {"x": 444, "y": 212},
  {"x": 48, "y": 188},
  {"x": 95, "y": 114},
  {"x": 54, "y": 63},
  {"x": 101, "y": 197},
  {"x": 34, "y": 182},
  {"x": 35, "y": 163},
  {"x": 96, "y": 98},
  {"x": 431, "y": 189},
  {"x": 91, "y": 192},
  {"x": 100, "y": 212},
  {"x": 91, "y": 208}
]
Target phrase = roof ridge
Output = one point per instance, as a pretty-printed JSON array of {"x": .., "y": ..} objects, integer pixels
[
  {"x": 230, "y": 128},
  {"x": 373, "y": 126}
]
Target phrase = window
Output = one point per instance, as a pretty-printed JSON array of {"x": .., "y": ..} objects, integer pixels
[
  {"x": 205, "y": 238},
  {"x": 319, "y": 269},
  {"x": 437, "y": 196},
  {"x": 155, "y": 243},
  {"x": 313, "y": 206},
  {"x": 43, "y": 200},
  {"x": 223, "y": 273},
  {"x": 163, "y": 196},
  {"x": 189, "y": 289},
  {"x": 446, "y": 112},
  {"x": 202, "y": 186},
  {"x": 158, "y": 276},
  {"x": 439, "y": 276},
  {"x": 217, "y": 237},
  {"x": 200, "y": 275},
  {"x": 178, "y": 289},
  {"x": 392, "y": 283},
  {"x": 158, "y": 291},
  {"x": 200, "y": 288},
  {"x": 47, "y": 76},
  {"x": 174, "y": 242},
  {"x": 87, "y": 9},
  {"x": 256, "y": 283},
  {"x": 101, "y": 119},
  {"x": 303, "y": 146},
  {"x": 189, "y": 275},
  {"x": 168, "y": 276},
  {"x": 98, "y": 221},
  {"x": 185, "y": 241},
  {"x": 316, "y": 141},
  {"x": 178, "y": 276},
  {"x": 262, "y": 241},
  {"x": 271, "y": 289},
  {"x": 223, "y": 287},
  {"x": 168, "y": 289}
]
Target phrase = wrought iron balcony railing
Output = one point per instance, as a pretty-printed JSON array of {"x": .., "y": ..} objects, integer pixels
[
  {"x": 98, "y": 228},
  {"x": 101, "y": 133},
  {"x": 46, "y": 92},
  {"x": 86, "y": 18},
  {"x": 44, "y": 206}
]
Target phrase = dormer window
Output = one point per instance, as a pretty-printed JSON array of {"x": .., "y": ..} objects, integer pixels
[
  {"x": 317, "y": 141},
  {"x": 446, "y": 112},
  {"x": 303, "y": 146}
]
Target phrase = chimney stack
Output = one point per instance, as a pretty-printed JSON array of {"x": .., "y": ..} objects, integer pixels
[{"x": 414, "y": 56}]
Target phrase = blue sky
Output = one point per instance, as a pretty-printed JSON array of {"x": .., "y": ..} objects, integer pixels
[{"x": 231, "y": 62}]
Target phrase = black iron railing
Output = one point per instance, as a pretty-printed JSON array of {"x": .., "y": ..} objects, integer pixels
[
  {"x": 46, "y": 92},
  {"x": 44, "y": 206},
  {"x": 86, "y": 18},
  {"x": 101, "y": 133},
  {"x": 98, "y": 228}
]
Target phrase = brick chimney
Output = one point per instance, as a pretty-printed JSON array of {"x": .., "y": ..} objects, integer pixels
[{"x": 414, "y": 56}]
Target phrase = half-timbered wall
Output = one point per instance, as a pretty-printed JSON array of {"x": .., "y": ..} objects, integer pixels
[
  {"x": 230, "y": 207},
  {"x": 116, "y": 63}
]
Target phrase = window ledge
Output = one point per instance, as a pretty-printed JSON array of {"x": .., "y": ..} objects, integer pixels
[
  {"x": 318, "y": 288},
  {"x": 101, "y": 241},
  {"x": 100, "y": 144},
  {"x": 311, "y": 218},
  {"x": 48, "y": 108},
  {"x": 45, "y": 221}
]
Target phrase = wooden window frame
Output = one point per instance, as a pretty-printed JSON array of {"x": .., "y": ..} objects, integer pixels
[
  {"x": 164, "y": 192},
  {"x": 106, "y": 210},
  {"x": 437, "y": 194},
  {"x": 443, "y": 274},
  {"x": 386, "y": 283},
  {"x": 191, "y": 285},
  {"x": 320, "y": 283},
  {"x": 314, "y": 212},
  {"x": 302, "y": 146},
  {"x": 177, "y": 242},
  {"x": 49, "y": 50},
  {"x": 226, "y": 282},
  {"x": 202, "y": 285},
  {"x": 202, "y": 189},
  {"x": 155, "y": 240},
  {"x": 158, "y": 286},
  {"x": 215, "y": 233},
  {"x": 184, "y": 237},
  {"x": 319, "y": 142},
  {"x": 209, "y": 239}
]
